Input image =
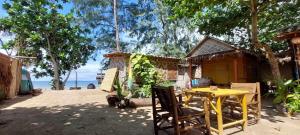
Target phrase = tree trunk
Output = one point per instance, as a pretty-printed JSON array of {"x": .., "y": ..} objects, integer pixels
[
  {"x": 55, "y": 66},
  {"x": 269, "y": 53},
  {"x": 66, "y": 79},
  {"x": 116, "y": 25},
  {"x": 56, "y": 75}
]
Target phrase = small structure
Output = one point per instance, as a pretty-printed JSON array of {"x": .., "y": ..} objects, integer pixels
[
  {"x": 10, "y": 76},
  {"x": 168, "y": 66},
  {"x": 292, "y": 35},
  {"x": 223, "y": 63}
]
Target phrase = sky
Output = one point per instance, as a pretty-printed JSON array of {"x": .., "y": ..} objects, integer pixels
[{"x": 85, "y": 73}]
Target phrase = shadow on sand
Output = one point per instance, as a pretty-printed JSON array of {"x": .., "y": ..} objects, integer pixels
[{"x": 91, "y": 118}]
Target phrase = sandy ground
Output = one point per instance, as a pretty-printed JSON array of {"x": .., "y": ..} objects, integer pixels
[{"x": 85, "y": 112}]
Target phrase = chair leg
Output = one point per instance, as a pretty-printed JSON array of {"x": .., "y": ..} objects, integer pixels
[
  {"x": 176, "y": 126},
  {"x": 155, "y": 127}
]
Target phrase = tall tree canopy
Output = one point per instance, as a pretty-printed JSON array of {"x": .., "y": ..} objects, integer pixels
[
  {"x": 98, "y": 16},
  {"x": 144, "y": 21},
  {"x": 43, "y": 32},
  {"x": 249, "y": 24},
  {"x": 161, "y": 35}
]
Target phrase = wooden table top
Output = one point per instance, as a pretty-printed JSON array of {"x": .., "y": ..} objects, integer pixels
[{"x": 218, "y": 91}]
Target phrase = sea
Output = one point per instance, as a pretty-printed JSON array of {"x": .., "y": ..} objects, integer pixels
[{"x": 45, "y": 85}]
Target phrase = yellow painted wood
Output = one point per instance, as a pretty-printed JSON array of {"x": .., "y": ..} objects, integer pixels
[
  {"x": 215, "y": 130},
  {"x": 219, "y": 115},
  {"x": 233, "y": 123},
  {"x": 244, "y": 108},
  {"x": 213, "y": 106},
  {"x": 218, "y": 92}
]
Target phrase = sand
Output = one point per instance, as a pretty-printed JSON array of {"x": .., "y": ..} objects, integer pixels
[{"x": 85, "y": 112}]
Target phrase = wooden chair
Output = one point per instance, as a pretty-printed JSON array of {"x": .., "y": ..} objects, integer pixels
[
  {"x": 253, "y": 99},
  {"x": 170, "y": 114}
]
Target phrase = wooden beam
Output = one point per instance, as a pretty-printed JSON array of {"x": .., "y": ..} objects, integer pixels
[
  {"x": 190, "y": 71},
  {"x": 233, "y": 123},
  {"x": 235, "y": 70}
]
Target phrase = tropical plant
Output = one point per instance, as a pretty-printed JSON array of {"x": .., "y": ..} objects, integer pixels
[
  {"x": 119, "y": 89},
  {"x": 282, "y": 90},
  {"x": 293, "y": 100},
  {"x": 288, "y": 93},
  {"x": 41, "y": 31},
  {"x": 143, "y": 72}
]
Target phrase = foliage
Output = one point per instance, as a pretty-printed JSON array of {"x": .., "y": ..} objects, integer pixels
[
  {"x": 118, "y": 88},
  {"x": 232, "y": 20},
  {"x": 283, "y": 88},
  {"x": 166, "y": 83},
  {"x": 145, "y": 73},
  {"x": 42, "y": 31},
  {"x": 157, "y": 34},
  {"x": 293, "y": 99},
  {"x": 288, "y": 92},
  {"x": 249, "y": 24},
  {"x": 98, "y": 17},
  {"x": 143, "y": 26}
]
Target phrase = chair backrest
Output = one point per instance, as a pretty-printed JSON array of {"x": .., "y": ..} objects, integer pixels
[
  {"x": 167, "y": 99},
  {"x": 252, "y": 88}
]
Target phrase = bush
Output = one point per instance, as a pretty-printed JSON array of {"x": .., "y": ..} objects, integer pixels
[
  {"x": 288, "y": 93},
  {"x": 143, "y": 71}
]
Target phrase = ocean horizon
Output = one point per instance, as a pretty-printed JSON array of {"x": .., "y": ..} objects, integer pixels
[{"x": 45, "y": 85}]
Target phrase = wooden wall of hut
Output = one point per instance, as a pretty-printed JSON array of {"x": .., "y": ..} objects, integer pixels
[
  {"x": 231, "y": 68},
  {"x": 10, "y": 76},
  {"x": 121, "y": 63},
  {"x": 5, "y": 75}
]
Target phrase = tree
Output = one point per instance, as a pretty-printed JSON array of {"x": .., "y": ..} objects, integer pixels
[
  {"x": 250, "y": 24},
  {"x": 165, "y": 37},
  {"x": 106, "y": 19},
  {"x": 41, "y": 31},
  {"x": 116, "y": 25}
]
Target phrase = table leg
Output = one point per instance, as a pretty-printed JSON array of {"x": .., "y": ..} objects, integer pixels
[
  {"x": 219, "y": 115},
  {"x": 207, "y": 113},
  {"x": 245, "y": 114},
  {"x": 188, "y": 97}
]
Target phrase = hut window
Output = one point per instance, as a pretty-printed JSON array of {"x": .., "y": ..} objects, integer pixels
[
  {"x": 172, "y": 72},
  {"x": 181, "y": 71}
]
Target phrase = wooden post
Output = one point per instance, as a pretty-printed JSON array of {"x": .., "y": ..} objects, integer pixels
[
  {"x": 207, "y": 113},
  {"x": 259, "y": 101},
  {"x": 190, "y": 72},
  {"x": 235, "y": 70},
  {"x": 297, "y": 58}
]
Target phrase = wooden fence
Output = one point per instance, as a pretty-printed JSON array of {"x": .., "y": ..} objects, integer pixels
[{"x": 10, "y": 76}]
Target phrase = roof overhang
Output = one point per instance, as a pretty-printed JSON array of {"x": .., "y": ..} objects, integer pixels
[{"x": 153, "y": 57}]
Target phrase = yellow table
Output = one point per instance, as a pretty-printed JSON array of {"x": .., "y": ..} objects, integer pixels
[{"x": 219, "y": 95}]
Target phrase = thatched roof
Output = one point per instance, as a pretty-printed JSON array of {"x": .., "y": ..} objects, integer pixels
[
  {"x": 127, "y": 55},
  {"x": 211, "y": 47},
  {"x": 289, "y": 32}
]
